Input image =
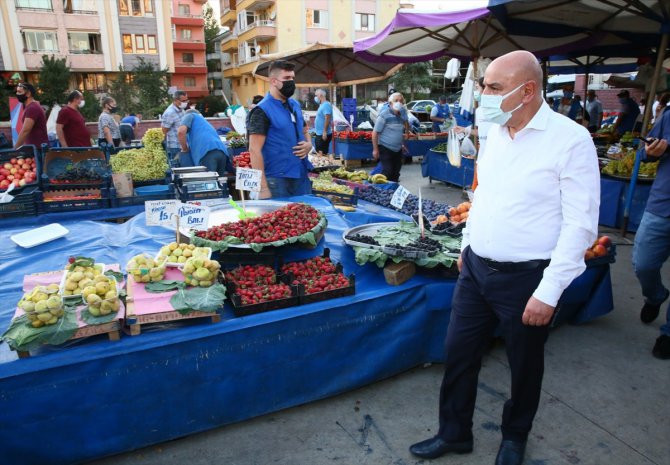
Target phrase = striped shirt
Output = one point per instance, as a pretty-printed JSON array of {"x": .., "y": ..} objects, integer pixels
[
  {"x": 171, "y": 120},
  {"x": 391, "y": 128}
]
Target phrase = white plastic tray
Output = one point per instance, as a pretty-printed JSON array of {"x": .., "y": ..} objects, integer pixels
[{"x": 39, "y": 236}]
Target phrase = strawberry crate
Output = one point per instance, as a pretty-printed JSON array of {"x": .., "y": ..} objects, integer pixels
[
  {"x": 306, "y": 298},
  {"x": 22, "y": 160},
  {"x": 234, "y": 257},
  {"x": 72, "y": 200},
  {"x": 68, "y": 168},
  {"x": 243, "y": 310},
  {"x": 24, "y": 204}
]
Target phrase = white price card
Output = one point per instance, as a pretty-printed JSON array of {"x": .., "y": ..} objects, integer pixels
[
  {"x": 248, "y": 179},
  {"x": 160, "y": 212},
  {"x": 399, "y": 197},
  {"x": 193, "y": 216}
]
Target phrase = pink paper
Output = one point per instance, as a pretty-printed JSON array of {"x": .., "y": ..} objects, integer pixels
[{"x": 147, "y": 303}]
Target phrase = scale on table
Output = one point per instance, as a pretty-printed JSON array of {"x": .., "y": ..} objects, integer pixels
[{"x": 202, "y": 181}]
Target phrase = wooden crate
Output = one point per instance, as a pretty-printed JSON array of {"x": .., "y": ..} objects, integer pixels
[{"x": 353, "y": 163}]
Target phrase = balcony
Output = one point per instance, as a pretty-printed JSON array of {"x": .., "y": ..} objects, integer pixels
[
  {"x": 244, "y": 61},
  {"x": 229, "y": 45},
  {"x": 214, "y": 75},
  {"x": 187, "y": 20},
  {"x": 255, "y": 5},
  {"x": 260, "y": 30},
  {"x": 228, "y": 17},
  {"x": 77, "y": 61},
  {"x": 231, "y": 71},
  {"x": 199, "y": 91},
  {"x": 190, "y": 68},
  {"x": 183, "y": 44}
]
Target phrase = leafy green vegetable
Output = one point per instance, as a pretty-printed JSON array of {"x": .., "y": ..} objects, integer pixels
[
  {"x": 81, "y": 261},
  {"x": 22, "y": 336},
  {"x": 204, "y": 299},
  {"x": 163, "y": 286},
  {"x": 91, "y": 319},
  {"x": 114, "y": 274}
]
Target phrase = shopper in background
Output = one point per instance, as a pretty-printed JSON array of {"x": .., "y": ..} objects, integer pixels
[
  {"x": 34, "y": 129},
  {"x": 322, "y": 123},
  {"x": 595, "y": 110},
  {"x": 201, "y": 145},
  {"x": 127, "y": 127},
  {"x": 628, "y": 113},
  {"x": 279, "y": 138},
  {"x": 660, "y": 106},
  {"x": 440, "y": 113},
  {"x": 388, "y": 136},
  {"x": 108, "y": 128},
  {"x": 70, "y": 124},
  {"x": 170, "y": 122}
]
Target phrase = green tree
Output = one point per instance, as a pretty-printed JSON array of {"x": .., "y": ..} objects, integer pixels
[
  {"x": 152, "y": 88},
  {"x": 212, "y": 27},
  {"x": 124, "y": 91},
  {"x": 92, "y": 109},
  {"x": 412, "y": 77},
  {"x": 54, "y": 80},
  {"x": 211, "y": 105}
]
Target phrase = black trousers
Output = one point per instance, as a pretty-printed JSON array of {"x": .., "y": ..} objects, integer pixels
[
  {"x": 483, "y": 298},
  {"x": 391, "y": 163},
  {"x": 321, "y": 145}
]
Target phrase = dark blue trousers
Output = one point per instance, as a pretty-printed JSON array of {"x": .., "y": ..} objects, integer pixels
[{"x": 483, "y": 299}]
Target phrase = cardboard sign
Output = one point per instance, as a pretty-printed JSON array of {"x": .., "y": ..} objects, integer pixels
[
  {"x": 248, "y": 179},
  {"x": 161, "y": 212},
  {"x": 123, "y": 183},
  {"x": 399, "y": 197},
  {"x": 193, "y": 216}
]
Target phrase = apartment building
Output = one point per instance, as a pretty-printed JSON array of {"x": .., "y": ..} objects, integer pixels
[
  {"x": 269, "y": 26},
  {"x": 96, "y": 37}
]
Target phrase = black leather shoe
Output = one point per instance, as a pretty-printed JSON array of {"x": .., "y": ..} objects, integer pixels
[
  {"x": 436, "y": 447},
  {"x": 511, "y": 452},
  {"x": 649, "y": 311},
  {"x": 662, "y": 348}
]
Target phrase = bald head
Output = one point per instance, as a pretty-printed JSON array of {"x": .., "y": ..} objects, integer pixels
[{"x": 518, "y": 66}]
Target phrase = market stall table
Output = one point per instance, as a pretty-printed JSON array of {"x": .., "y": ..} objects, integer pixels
[
  {"x": 613, "y": 194},
  {"x": 436, "y": 166},
  {"x": 99, "y": 398}
]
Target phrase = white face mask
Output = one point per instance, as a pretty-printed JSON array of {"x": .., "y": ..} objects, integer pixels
[
  {"x": 82, "y": 103},
  {"x": 491, "y": 106},
  {"x": 477, "y": 96},
  {"x": 183, "y": 105},
  {"x": 397, "y": 106}
]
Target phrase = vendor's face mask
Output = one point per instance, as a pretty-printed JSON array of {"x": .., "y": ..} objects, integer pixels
[{"x": 491, "y": 106}]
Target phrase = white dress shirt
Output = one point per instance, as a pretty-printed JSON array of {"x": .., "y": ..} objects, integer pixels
[{"x": 538, "y": 198}]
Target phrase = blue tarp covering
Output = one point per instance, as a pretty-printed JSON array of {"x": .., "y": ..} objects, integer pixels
[{"x": 99, "y": 397}]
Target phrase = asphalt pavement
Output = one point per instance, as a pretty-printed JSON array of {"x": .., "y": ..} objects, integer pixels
[{"x": 604, "y": 400}]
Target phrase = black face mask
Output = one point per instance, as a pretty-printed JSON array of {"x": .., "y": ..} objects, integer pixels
[
  {"x": 22, "y": 98},
  {"x": 113, "y": 109},
  {"x": 287, "y": 88}
]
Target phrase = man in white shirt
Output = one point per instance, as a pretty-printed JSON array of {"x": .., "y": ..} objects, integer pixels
[{"x": 533, "y": 215}]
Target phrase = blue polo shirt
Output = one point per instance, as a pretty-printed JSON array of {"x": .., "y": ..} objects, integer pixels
[
  {"x": 659, "y": 196},
  {"x": 391, "y": 128}
]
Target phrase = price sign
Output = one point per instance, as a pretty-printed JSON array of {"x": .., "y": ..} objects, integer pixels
[
  {"x": 248, "y": 179},
  {"x": 399, "y": 197},
  {"x": 193, "y": 216},
  {"x": 160, "y": 212}
]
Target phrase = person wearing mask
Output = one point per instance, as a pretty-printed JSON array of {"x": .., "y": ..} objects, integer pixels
[
  {"x": 515, "y": 261},
  {"x": 322, "y": 126},
  {"x": 595, "y": 110},
  {"x": 652, "y": 239},
  {"x": 201, "y": 145},
  {"x": 279, "y": 139},
  {"x": 70, "y": 124},
  {"x": 567, "y": 105},
  {"x": 628, "y": 113},
  {"x": 388, "y": 136},
  {"x": 34, "y": 129},
  {"x": 108, "y": 128},
  {"x": 170, "y": 122},
  {"x": 127, "y": 127},
  {"x": 440, "y": 113}
]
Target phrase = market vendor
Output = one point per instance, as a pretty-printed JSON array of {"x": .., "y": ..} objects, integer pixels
[
  {"x": 628, "y": 113},
  {"x": 279, "y": 139},
  {"x": 440, "y": 113},
  {"x": 388, "y": 136},
  {"x": 201, "y": 145}
]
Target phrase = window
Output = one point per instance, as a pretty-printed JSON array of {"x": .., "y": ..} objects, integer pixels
[
  {"x": 40, "y": 41},
  {"x": 34, "y": 4},
  {"x": 83, "y": 42},
  {"x": 96, "y": 83},
  {"x": 151, "y": 44},
  {"x": 127, "y": 43},
  {"x": 186, "y": 34},
  {"x": 184, "y": 10},
  {"x": 365, "y": 22},
  {"x": 317, "y": 18},
  {"x": 79, "y": 6},
  {"x": 187, "y": 58},
  {"x": 245, "y": 19},
  {"x": 136, "y": 7},
  {"x": 189, "y": 81},
  {"x": 139, "y": 43}
]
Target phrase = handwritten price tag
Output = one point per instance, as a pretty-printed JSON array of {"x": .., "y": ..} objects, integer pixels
[
  {"x": 193, "y": 216},
  {"x": 399, "y": 197},
  {"x": 160, "y": 212},
  {"x": 248, "y": 179}
]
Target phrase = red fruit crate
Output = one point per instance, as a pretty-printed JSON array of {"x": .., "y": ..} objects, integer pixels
[
  {"x": 326, "y": 295},
  {"x": 27, "y": 153},
  {"x": 86, "y": 161},
  {"x": 244, "y": 310},
  {"x": 78, "y": 199}
]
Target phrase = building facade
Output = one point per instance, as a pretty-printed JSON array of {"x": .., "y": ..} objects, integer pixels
[
  {"x": 97, "y": 37},
  {"x": 270, "y": 26}
]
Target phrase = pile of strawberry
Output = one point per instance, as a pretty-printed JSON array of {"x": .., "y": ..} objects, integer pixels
[
  {"x": 243, "y": 160},
  {"x": 264, "y": 293},
  {"x": 316, "y": 274},
  {"x": 291, "y": 220},
  {"x": 249, "y": 276}
]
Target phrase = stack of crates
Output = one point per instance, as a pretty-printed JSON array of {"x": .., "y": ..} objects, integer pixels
[
  {"x": 349, "y": 110},
  {"x": 24, "y": 202}
]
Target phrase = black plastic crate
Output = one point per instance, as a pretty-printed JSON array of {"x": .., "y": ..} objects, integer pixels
[
  {"x": 54, "y": 206},
  {"x": 326, "y": 295},
  {"x": 23, "y": 152},
  {"x": 338, "y": 199},
  {"x": 59, "y": 161},
  {"x": 244, "y": 310},
  {"x": 235, "y": 256},
  {"x": 24, "y": 204}
]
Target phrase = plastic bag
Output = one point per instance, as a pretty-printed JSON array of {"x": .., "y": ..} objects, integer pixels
[
  {"x": 468, "y": 149},
  {"x": 453, "y": 149}
]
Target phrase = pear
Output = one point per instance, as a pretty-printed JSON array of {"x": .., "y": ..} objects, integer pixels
[
  {"x": 116, "y": 304},
  {"x": 79, "y": 269},
  {"x": 53, "y": 287},
  {"x": 37, "y": 323},
  {"x": 94, "y": 311},
  {"x": 146, "y": 278},
  {"x": 205, "y": 283},
  {"x": 89, "y": 275},
  {"x": 173, "y": 245},
  {"x": 27, "y": 306},
  {"x": 106, "y": 307},
  {"x": 201, "y": 273},
  {"x": 189, "y": 267},
  {"x": 177, "y": 252},
  {"x": 32, "y": 316},
  {"x": 182, "y": 259},
  {"x": 41, "y": 306},
  {"x": 52, "y": 321},
  {"x": 93, "y": 300},
  {"x": 70, "y": 285},
  {"x": 187, "y": 253},
  {"x": 66, "y": 292},
  {"x": 76, "y": 276},
  {"x": 54, "y": 302},
  {"x": 101, "y": 279},
  {"x": 87, "y": 291},
  {"x": 84, "y": 283},
  {"x": 39, "y": 296},
  {"x": 102, "y": 288},
  {"x": 46, "y": 316},
  {"x": 111, "y": 294},
  {"x": 156, "y": 272}
]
